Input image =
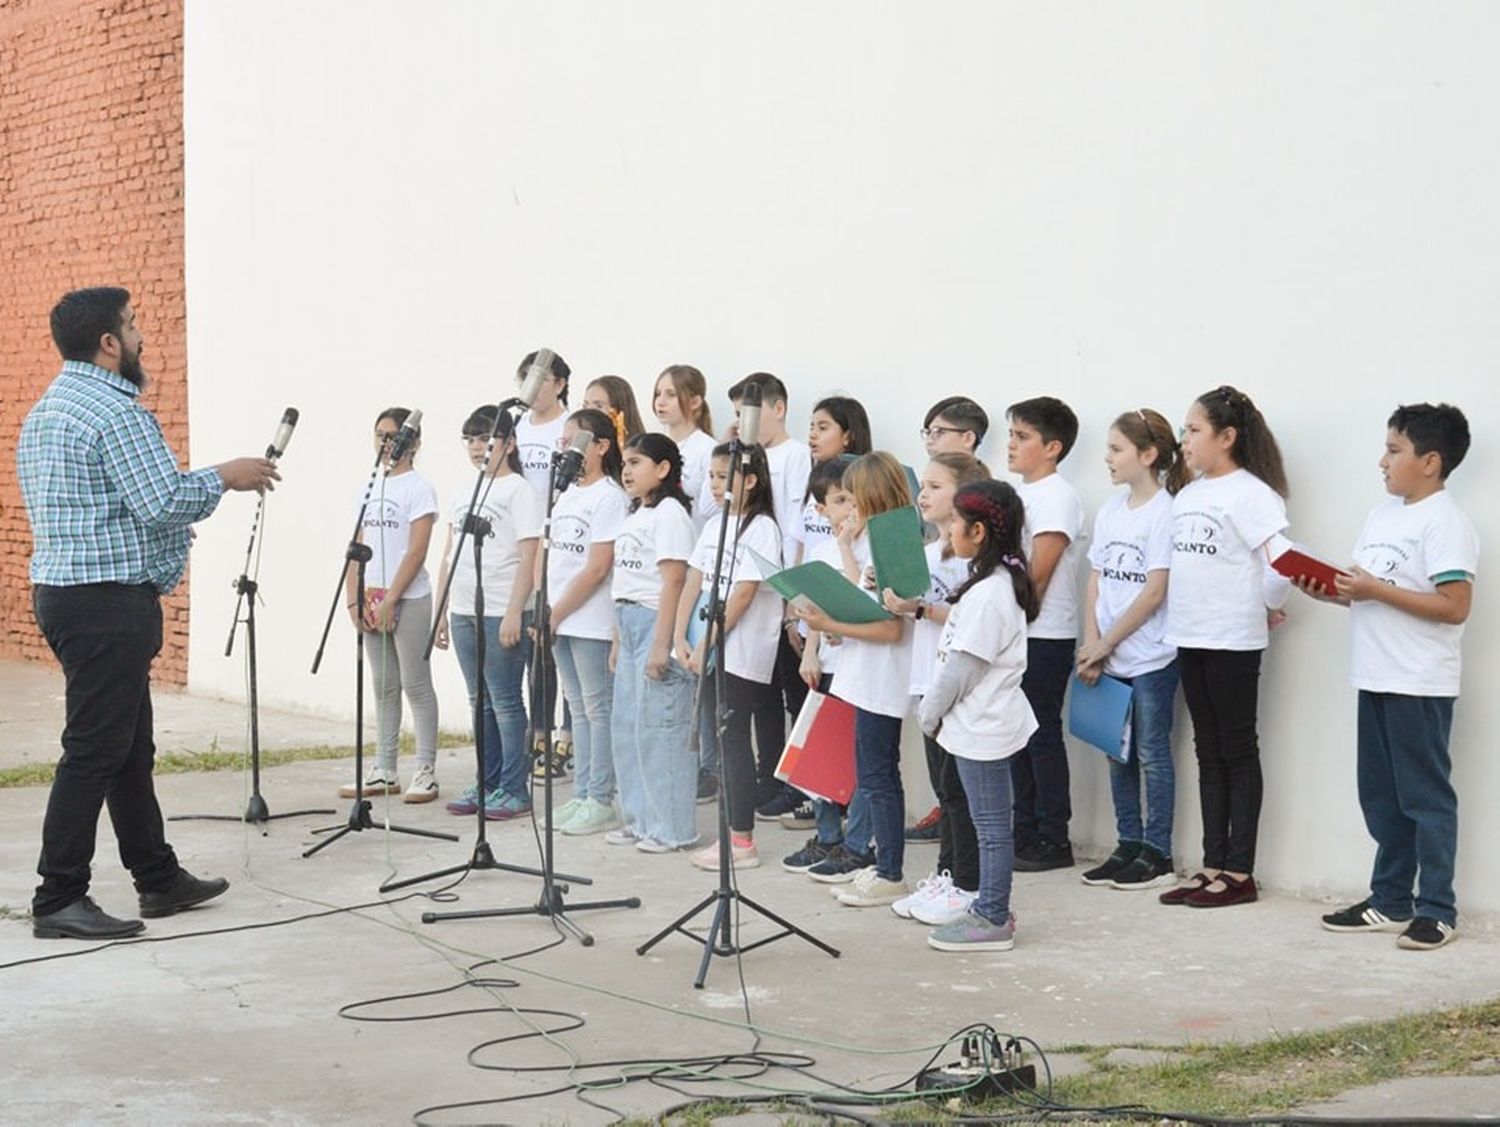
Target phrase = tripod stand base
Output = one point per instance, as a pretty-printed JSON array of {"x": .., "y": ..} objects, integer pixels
[
  {"x": 550, "y": 904},
  {"x": 717, "y": 941},
  {"x": 360, "y": 820},
  {"x": 483, "y": 859},
  {"x": 256, "y": 813}
]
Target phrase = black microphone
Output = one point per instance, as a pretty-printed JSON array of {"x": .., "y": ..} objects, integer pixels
[
  {"x": 570, "y": 461},
  {"x": 749, "y": 431},
  {"x": 406, "y": 437},
  {"x": 283, "y": 434}
]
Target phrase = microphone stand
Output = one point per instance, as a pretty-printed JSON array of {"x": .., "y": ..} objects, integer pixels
[
  {"x": 256, "y": 810},
  {"x": 550, "y": 904},
  {"x": 721, "y": 939},
  {"x": 359, "y": 812},
  {"x": 483, "y": 857}
]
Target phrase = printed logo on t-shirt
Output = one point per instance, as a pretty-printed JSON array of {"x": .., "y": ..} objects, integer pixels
[
  {"x": 630, "y": 552},
  {"x": 1384, "y": 559},
  {"x": 571, "y": 534},
  {"x": 536, "y": 457},
  {"x": 1197, "y": 533},
  {"x": 815, "y": 525},
  {"x": 383, "y": 513},
  {"x": 1124, "y": 562}
]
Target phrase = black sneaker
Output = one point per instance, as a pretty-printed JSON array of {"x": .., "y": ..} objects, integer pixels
[
  {"x": 1149, "y": 870},
  {"x": 1045, "y": 856},
  {"x": 813, "y": 853},
  {"x": 801, "y": 818},
  {"x": 1113, "y": 865},
  {"x": 1426, "y": 934},
  {"x": 840, "y": 865},
  {"x": 772, "y": 810},
  {"x": 1362, "y": 917},
  {"x": 708, "y": 786}
]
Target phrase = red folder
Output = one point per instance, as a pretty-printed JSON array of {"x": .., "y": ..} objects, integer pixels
[
  {"x": 1298, "y": 563},
  {"x": 819, "y": 755}
]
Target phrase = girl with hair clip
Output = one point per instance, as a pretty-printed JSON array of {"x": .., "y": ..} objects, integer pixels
[
  {"x": 397, "y": 614},
  {"x": 752, "y": 625},
  {"x": 653, "y": 703},
  {"x": 613, "y": 396},
  {"x": 1218, "y": 618},
  {"x": 974, "y": 705},
  {"x": 586, "y": 519},
  {"x": 950, "y": 891},
  {"x": 874, "y": 675},
  {"x": 1124, "y": 636},
  {"x": 679, "y": 400},
  {"x": 513, "y": 511}
]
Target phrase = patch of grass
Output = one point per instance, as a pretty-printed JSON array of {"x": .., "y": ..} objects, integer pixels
[{"x": 180, "y": 762}]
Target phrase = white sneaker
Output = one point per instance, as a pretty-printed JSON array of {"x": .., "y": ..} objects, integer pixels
[
  {"x": 424, "y": 785},
  {"x": 927, "y": 888},
  {"x": 625, "y": 835},
  {"x": 952, "y": 904},
  {"x": 870, "y": 890},
  {"x": 377, "y": 781}
]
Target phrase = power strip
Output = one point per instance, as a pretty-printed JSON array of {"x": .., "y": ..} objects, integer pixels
[{"x": 985, "y": 1069}]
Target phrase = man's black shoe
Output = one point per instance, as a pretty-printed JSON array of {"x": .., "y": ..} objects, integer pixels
[
  {"x": 83, "y": 919},
  {"x": 186, "y": 891},
  {"x": 1043, "y": 856}
]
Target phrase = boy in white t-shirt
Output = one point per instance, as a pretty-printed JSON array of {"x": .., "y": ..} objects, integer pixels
[
  {"x": 1409, "y": 594},
  {"x": 1042, "y": 431}
]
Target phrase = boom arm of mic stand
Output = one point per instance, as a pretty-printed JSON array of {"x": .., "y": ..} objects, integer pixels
[{"x": 338, "y": 590}]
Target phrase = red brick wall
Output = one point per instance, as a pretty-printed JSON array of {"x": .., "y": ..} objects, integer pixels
[{"x": 90, "y": 194}]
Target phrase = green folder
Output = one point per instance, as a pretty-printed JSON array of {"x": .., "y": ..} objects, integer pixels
[
  {"x": 824, "y": 587},
  {"x": 898, "y": 553}
]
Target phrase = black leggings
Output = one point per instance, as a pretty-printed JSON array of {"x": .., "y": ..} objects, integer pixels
[
  {"x": 1222, "y": 690},
  {"x": 958, "y": 844},
  {"x": 744, "y": 700}
]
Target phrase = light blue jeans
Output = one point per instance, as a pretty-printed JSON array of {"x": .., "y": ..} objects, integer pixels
[
  {"x": 506, "y": 757},
  {"x": 1151, "y": 758},
  {"x": 652, "y": 720},
  {"x": 583, "y": 672},
  {"x": 987, "y": 787}
]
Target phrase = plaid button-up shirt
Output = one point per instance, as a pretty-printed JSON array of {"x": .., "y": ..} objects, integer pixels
[{"x": 107, "y": 501}]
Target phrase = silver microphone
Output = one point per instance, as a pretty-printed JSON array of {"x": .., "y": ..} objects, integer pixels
[
  {"x": 536, "y": 375},
  {"x": 283, "y": 434},
  {"x": 406, "y": 437},
  {"x": 750, "y": 415},
  {"x": 570, "y": 461}
]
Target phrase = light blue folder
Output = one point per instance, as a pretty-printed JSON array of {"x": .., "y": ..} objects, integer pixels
[{"x": 1099, "y": 715}]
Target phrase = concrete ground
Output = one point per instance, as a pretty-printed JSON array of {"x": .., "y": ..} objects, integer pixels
[{"x": 199, "y": 1023}]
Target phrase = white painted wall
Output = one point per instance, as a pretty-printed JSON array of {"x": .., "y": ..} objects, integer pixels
[{"x": 1119, "y": 204}]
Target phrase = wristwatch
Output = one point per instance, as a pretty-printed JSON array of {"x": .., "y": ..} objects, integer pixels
[{"x": 920, "y": 612}]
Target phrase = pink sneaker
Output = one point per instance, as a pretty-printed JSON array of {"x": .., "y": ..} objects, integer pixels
[{"x": 741, "y": 857}]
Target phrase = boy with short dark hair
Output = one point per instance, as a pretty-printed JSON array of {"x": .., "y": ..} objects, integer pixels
[
  {"x": 1042, "y": 431},
  {"x": 1409, "y": 594},
  {"x": 955, "y": 425}
]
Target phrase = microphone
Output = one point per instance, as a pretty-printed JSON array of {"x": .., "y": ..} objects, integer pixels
[
  {"x": 536, "y": 375},
  {"x": 570, "y": 461},
  {"x": 283, "y": 434},
  {"x": 406, "y": 437},
  {"x": 750, "y": 415}
]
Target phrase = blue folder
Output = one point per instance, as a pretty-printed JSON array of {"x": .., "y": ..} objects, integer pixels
[{"x": 1099, "y": 715}]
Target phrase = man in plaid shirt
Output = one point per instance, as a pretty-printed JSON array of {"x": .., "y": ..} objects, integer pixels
[{"x": 110, "y": 520}]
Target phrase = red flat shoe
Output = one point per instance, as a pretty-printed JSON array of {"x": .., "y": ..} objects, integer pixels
[
  {"x": 1179, "y": 894},
  {"x": 1233, "y": 892}
]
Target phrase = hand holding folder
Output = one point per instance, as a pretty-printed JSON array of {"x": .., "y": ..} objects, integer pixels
[
  {"x": 824, "y": 587},
  {"x": 1099, "y": 715}
]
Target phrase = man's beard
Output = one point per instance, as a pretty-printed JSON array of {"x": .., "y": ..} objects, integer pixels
[{"x": 130, "y": 368}]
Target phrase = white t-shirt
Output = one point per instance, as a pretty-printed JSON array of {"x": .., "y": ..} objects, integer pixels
[
  {"x": 815, "y": 530},
  {"x": 875, "y": 676},
  {"x": 583, "y": 516},
  {"x": 993, "y": 719},
  {"x": 750, "y": 647},
  {"x": 828, "y": 653},
  {"x": 697, "y": 453},
  {"x": 1408, "y": 546},
  {"x": 948, "y": 575},
  {"x": 790, "y": 463},
  {"x": 649, "y": 536},
  {"x": 1053, "y": 505},
  {"x": 535, "y": 445},
  {"x": 394, "y": 503},
  {"x": 1217, "y": 597},
  {"x": 514, "y": 512},
  {"x": 1128, "y": 545}
]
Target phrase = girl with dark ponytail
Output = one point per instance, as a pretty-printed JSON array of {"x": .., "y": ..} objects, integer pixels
[
  {"x": 974, "y": 707},
  {"x": 1124, "y": 636}
]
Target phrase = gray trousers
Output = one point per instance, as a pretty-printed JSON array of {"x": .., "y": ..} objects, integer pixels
[{"x": 397, "y": 666}]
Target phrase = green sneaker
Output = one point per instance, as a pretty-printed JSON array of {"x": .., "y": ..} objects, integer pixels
[
  {"x": 561, "y": 815},
  {"x": 501, "y": 807},
  {"x": 591, "y": 817}
]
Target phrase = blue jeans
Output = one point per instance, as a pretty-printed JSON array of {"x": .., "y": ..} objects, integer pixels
[
  {"x": 987, "y": 786},
  {"x": 877, "y": 769},
  {"x": 652, "y": 720},
  {"x": 583, "y": 672},
  {"x": 1151, "y": 756},
  {"x": 831, "y": 824},
  {"x": 1409, "y": 803},
  {"x": 506, "y": 756}
]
